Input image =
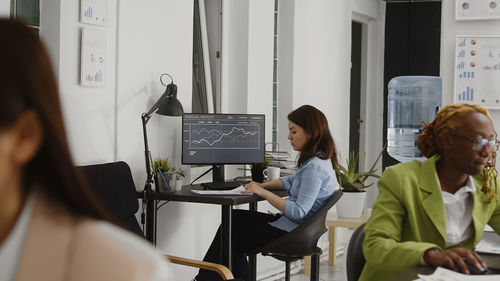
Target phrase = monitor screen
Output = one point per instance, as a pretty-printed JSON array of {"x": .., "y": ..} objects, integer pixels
[{"x": 223, "y": 138}]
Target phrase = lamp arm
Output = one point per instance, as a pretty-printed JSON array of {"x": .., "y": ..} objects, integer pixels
[{"x": 145, "y": 118}]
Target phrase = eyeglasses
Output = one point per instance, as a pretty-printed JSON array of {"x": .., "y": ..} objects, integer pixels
[{"x": 479, "y": 143}]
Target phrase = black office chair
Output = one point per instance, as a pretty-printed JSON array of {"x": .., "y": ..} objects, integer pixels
[
  {"x": 355, "y": 259},
  {"x": 302, "y": 241},
  {"x": 114, "y": 188}
]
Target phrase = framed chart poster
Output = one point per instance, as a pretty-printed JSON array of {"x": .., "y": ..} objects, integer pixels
[
  {"x": 93, "y": 57},
  {"x": 477, "y": 70},
  {"x": 477, "y": 9},
  {"x": 93, "y": 11}
]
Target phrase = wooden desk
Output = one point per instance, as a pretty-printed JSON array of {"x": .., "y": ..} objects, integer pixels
[
  {"x": 332, "y": 225},
  {"x": 226, "y": 202}
]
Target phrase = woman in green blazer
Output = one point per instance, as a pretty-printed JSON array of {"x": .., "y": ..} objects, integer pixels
[{"x": 434, "y": 212}]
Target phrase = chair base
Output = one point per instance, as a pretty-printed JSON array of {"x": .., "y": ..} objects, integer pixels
[{"x": 314, "y": 272}]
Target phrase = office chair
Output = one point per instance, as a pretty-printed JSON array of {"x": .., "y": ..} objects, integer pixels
[
  {"x": 113, "y": 187},
  {"x": 355, "y": 259},
  {"x": 302, "y": 241}
]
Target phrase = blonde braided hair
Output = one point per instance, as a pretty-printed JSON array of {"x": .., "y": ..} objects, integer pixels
[{"x": 447, "y": 120}]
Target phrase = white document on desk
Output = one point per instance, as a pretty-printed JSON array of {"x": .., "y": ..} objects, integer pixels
[
  {"x": 489, "y": 244},
  {"x": 232, "y": 192},
  {"x": 441, "y": 274}
]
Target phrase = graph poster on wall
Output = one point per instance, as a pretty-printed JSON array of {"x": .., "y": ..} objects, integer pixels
[
  {"x": 477, "y": 9},
  {"x": 93, "y": 11},
  {"x": 93, "y": 57},
  {"x": 477, "y": 70}
]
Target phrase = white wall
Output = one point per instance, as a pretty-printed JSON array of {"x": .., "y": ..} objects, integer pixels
[
  {"x": 4, "y": 8},
  {"x": 450, "y": 28},
  {"x": 147, "y": 38}
]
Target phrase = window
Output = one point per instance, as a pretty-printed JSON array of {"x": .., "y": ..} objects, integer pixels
[{"x": 26, "y": 10}]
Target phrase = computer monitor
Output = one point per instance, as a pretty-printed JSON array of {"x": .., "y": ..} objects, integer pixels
[{"x": 219, "y": 139}]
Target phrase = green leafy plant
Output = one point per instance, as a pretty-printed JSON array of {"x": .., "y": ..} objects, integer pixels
[
  {"x": 162, "y": 164},
  {"x": 179, "y": 173},
  {"x": 352, "y": 181},
  {"x": 261, "y": 166}
]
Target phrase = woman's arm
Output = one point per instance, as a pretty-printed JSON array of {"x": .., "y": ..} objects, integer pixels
[
  {"x": 261, "y": 190},
  {"x": 383, "y": 245},
  {"x": 275, "y": 184}
]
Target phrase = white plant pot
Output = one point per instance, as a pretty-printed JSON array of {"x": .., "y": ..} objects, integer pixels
[
  {"x": 178, "y": 184},
  {"x": 351, "y": 205}
]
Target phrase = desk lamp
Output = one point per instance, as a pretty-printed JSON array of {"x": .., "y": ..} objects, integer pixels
[{"x": 168, "y": 105}]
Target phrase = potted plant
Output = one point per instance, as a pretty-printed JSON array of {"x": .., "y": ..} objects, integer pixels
[
  {"x": 353, "y": 185},
  {"x": 257, "y": 170},
  {"x": 179, "y": 175},
  {"x": 164, "y": 174}
]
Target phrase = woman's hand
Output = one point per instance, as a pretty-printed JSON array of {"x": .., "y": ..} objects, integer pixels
[
  {"x": 253, "y": 187},
  {"x": 453, "y": 259}
]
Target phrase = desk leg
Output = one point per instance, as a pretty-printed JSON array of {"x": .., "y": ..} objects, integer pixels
[
  {"x": 150, "y": 220},
  {"x": 252, "y": 259},
  {"x": 227, "y": 257},
  {"x": 307, "y": 265},
  {"x": 332, "y": 245}
]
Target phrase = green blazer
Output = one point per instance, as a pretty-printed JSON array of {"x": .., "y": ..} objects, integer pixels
[{"x": 408, "y": 218}]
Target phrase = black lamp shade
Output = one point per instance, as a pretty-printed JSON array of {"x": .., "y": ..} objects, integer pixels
[{"x": 171, "y": 106}]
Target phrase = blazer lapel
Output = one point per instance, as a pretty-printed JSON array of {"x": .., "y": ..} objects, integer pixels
[
  {"x": 47, "y": 243},
  {"x": 432, "y": 200},
  {"x": 478, "y": 209}
]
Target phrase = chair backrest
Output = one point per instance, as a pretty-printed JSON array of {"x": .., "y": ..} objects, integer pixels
[
  {"x": 355, "y": 259},
  {"x": 114, "y": 188},
  {"x": 303, "y": 239}
]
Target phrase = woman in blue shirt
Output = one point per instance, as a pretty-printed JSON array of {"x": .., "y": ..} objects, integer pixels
[{"x": 308, "y": 189}]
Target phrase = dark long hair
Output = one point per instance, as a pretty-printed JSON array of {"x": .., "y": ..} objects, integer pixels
[
  {"x": 27, "y": 82},
  {"x": 315, "y": 124}
]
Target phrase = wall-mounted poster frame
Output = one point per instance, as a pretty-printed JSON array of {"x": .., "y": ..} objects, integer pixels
[
  {"x": 93, "y": 12},
  {"x": 477, "y": 9},
  {"x": 93, "y": 60},
  {"x": 477, "y": 70}
]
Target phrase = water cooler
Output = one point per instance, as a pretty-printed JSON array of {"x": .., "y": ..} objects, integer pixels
[{"x": 411, "y": 100}]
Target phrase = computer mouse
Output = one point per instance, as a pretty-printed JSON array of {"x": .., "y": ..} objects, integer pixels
[{"x": 472, "y": 269}]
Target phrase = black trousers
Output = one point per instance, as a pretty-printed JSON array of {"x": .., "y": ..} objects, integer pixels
[{"x": 249, "y": 230}]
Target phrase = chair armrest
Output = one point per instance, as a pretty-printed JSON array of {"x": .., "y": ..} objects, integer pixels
[{"x": 223, "y": 271}]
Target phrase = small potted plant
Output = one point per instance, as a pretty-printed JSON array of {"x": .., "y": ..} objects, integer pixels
[
  {"x": 164, "y": 174},
  {"x": 179, "y": 175},
  {"x": 257, "y": 170},
  {"x": 353, "y": 185}
]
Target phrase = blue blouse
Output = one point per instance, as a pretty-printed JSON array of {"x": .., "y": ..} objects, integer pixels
[{"x": 308, "y": 189}]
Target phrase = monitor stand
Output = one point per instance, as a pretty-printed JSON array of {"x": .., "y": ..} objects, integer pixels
[
  {"x": 218, "y": 181},
  {"x": 218, "y": 173}
]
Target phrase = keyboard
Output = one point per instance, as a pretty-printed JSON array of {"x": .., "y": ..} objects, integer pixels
[{"x": 221, "y": 185}]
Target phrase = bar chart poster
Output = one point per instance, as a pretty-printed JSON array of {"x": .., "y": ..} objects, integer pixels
[
  {"x": 92, "y": 57},
  {"x": 477, "y": 9},
  {"x": 93, "y": 11},
  {"x": 477, "y": 70}
]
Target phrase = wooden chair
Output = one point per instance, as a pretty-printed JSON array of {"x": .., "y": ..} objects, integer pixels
[{"x": 114, "y": 188}]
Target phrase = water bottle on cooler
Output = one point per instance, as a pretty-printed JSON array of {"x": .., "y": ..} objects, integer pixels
[{"x": 411, "y": 100}]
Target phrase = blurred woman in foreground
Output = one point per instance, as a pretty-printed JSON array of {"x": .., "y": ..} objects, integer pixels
[{"x": 50, "y": 228}]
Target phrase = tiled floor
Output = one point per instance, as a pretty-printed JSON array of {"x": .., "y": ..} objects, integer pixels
[{"x": 326, "y": 273}]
